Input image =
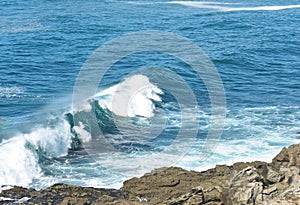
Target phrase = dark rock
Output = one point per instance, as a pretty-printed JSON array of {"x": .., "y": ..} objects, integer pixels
[{"x": 61, "y": 194}]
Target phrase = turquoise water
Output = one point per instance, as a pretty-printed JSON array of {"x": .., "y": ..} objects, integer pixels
[{"x": 44, "y": 44}]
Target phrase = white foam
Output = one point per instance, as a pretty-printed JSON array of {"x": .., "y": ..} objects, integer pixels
[
  {"x": 85, "y": 107},
  {"x": 261, "y": 8},
  {"x": 18, "y": 157},
  {"x": 85, "y": 136},
  {"x": 134, "y": 96},
  {"x": 251, "y": 134},
  {"x": 18, "y": 164},
  {"x": 6, "y": 199},
  {"x": 200, "y": 3},
  {"x": 219, "y": 6}
]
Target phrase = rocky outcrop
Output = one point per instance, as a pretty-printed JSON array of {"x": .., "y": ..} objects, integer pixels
[
  {"x": 59, "y": 194},
  {"x": 253, "y": 183},
  {"x": 288, "y": 157}
]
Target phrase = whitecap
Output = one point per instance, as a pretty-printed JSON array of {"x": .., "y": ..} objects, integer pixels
[
  {"x": 219, "y": 6},
  {"x": 134, "y": 96}
]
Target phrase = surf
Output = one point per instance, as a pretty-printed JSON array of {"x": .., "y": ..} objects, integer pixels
[{"x": 21, "y": 155}]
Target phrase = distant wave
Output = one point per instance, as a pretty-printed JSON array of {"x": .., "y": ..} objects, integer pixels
[{"x": 218, "y": 6}]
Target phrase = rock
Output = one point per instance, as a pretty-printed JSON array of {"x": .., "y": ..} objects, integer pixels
[
  {"x": 75, "y": 201},
  {"x": 213, "y": 195},
  {"x": 242, "y": 183},
  {"x": 245, "y": 176},
  {"x": 173, "y": 185},
  {"x": 61, "y": 194},
  {"x": 105, "y": 199},
  {"x": 246, "y": 187},
  {"x": 195, "y": 197},
  {"x": 273, "y": 176},
  {"x": 161, "y": 184},
  {"x": 270, "y": 192},
  {"x": 288, "y": 157},
  {"x": 238, "y": 166}
]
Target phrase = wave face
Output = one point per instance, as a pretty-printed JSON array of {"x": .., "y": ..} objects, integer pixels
[{"x": 254, "y": 46}]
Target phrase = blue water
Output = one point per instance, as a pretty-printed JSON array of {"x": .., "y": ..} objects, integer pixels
[{"x": 44, "y": 44}]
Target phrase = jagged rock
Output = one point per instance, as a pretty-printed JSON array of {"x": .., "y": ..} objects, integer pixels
[
  {"x": 242, "y": 183},
  {"x": 61, "y": 194},
  {"x": 213, "y": 195},
  {"x": 246, "y": 187},
  {"x": 245, "y": 176},
  {"x": 195, "y": 197},
  {"x": 270, "y": 192},
  {"x": 238, "y": 166},
  {"x": 166, "y": 183},
  {"x": 273, "y": 176},
  {"x": 288, "y": 157}
]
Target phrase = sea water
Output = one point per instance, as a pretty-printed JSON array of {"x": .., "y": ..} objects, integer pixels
[{"x": 44, "y": 44}]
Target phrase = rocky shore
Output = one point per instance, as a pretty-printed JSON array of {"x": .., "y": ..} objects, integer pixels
[{"x": 257, "y": 182}]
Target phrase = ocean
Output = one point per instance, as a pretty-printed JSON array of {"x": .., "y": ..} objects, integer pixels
[{"x": 95, "y": 92}]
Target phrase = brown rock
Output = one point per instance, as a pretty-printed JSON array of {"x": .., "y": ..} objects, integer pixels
[
  {"x": 75, "y": 201},
  {"x": 195, "y": 197},
  {"x": 288, "y": 157},
  {"x": 273, "y": 176},
  {"x": 246, "y": 187}
]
